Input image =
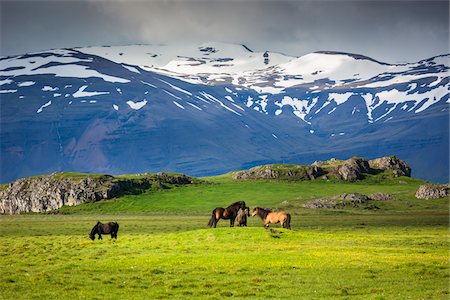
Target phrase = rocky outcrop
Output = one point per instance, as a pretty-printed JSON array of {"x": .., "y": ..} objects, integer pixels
[
  {"x": 45, "y": 193},
  {"x": 347, "y": 200},
  {"x": 352, "y": 169},
  {"x": 398, "y": 166},
  {"x": 433, "y": 191},
  {"x": 289, "y": 172}
]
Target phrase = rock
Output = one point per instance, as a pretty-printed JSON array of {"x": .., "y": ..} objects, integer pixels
[
  {"x": 46, "y": 193},
  {"x": 286, "y": 172},
  {"x": 317, "y": 163},
  {"x": 344, "y": 200},
  {"x": 380, "y": 196},
  {"x": 398, "y": 166},
  {"x": 285, "y": 202},
  {"x": 433, "y": 191},
  {"x": 402, "y": 182},
  {"x": 352, "y": 169}
]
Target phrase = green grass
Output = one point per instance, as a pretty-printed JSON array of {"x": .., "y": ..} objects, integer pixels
[{"x": 164, "y": 249}]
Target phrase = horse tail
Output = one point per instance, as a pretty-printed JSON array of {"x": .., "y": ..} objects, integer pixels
[
  {"x": 288, "y": 221},
  {"x": 212, "y": 221}
]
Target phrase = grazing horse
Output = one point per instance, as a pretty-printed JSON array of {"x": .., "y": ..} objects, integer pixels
[
  {"x": 107, "y": 228},
  {"x": 241, "y": 218},
  {"x": 273, "y": 217},
  {"x": 226, "y": 213}
]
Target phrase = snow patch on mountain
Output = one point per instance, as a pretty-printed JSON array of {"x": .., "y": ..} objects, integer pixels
[
  {"x": 81, "y": 93},
  {"x": 43, "y": 106},
  {"x": 136, "y": 105}
]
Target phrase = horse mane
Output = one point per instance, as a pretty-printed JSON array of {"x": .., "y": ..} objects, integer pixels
[{"x": 263, "y": 212}]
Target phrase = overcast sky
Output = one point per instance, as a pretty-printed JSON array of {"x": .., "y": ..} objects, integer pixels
[{"x": 390, "y": 31}]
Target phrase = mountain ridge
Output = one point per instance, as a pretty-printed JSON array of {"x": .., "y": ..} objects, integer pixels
[{"x": 68, "y": 110}]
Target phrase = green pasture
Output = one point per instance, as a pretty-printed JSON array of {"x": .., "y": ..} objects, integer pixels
[{"x": 165, "y": 251}]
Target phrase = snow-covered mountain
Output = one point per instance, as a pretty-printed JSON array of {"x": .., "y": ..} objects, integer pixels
[{"x": 216, "y": 107}]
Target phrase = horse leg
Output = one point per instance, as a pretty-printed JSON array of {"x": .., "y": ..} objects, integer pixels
[{"x": 232, "y": 222}]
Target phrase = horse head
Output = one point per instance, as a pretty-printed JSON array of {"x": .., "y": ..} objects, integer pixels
[
  {"x": 255, "y": 211},
  {"x": 92, "y": 236}
]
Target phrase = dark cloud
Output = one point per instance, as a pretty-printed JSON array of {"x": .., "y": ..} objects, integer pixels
[{"x": 392, "y": 31}]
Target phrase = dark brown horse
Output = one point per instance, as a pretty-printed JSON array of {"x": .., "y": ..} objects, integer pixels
[
  {"x": 269, "y": 216},
  {"x": 226, "y": 213},
  {"x": 107, "y": 228},
  {"x": 241, "y": 218}
]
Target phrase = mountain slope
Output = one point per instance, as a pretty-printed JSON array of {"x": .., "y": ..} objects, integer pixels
[{"x": 216, "y": 107}]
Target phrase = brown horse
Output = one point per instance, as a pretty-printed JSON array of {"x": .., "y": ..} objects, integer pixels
[
  {"x": 107, "y": 228},
  {"x": 226, "y": 213},
  {"x": 241, "y": 218},
  {"x": 273, "y": 217}
]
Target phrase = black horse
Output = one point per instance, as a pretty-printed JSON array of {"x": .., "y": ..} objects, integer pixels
[
  {"x": 107, "y": 228},
  {"x": 226, "y": 213}
]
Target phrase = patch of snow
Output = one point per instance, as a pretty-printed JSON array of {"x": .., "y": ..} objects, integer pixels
[
  {"x": 116, "y": 107},
  {"x": 5, "y": 81},
  {"x": 339, "y": 98},
  {"x": 212, "y": 98},
  {"x": 49, "y": 89},
  {"x": 228, "y": 90},
  {"x": 169, "y": 93},
  {"x": 93, "y": 101},
  {"x": 249, "y": 101},
  {"x": 56, "y": 94},
  {"x": 175, "y": 87},
  {"x": 81, "y": 93},
  {"x": 136, "y": 105},
  {"x": 229, "y": 98},
  {"x": 132, "y": 69},
  {"x": 311, "y": 131},
  {"x": 178, "y": 104},
  {"x": 44, "y": 106},
  {"x": 193, "y": 105},
  {"x": 7, "y": 91},
  {"x": 149, "y": 84},
  {"x": 26, "y": 83},
  {"x": 331, "y": 111},
  {"x": 274, "y": 136}
]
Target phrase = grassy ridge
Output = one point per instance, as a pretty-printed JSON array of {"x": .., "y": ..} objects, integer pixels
[
  {"x": 222, "y": 190},
  {"x": 164, "y": 249}
]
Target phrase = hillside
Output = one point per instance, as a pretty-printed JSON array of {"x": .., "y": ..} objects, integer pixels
[
  {"x": 287, "y": 187},
  {"x": 213, "y": 108}
]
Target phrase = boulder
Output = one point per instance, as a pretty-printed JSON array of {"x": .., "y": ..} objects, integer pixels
[
  {"x": 352, "y": 169},
  {"x": 433, "y": 191},
  {"x": 398, "y": 166}
]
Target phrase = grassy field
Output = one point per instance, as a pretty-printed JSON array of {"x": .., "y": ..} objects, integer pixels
[{"x": 164, "y": 249}]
